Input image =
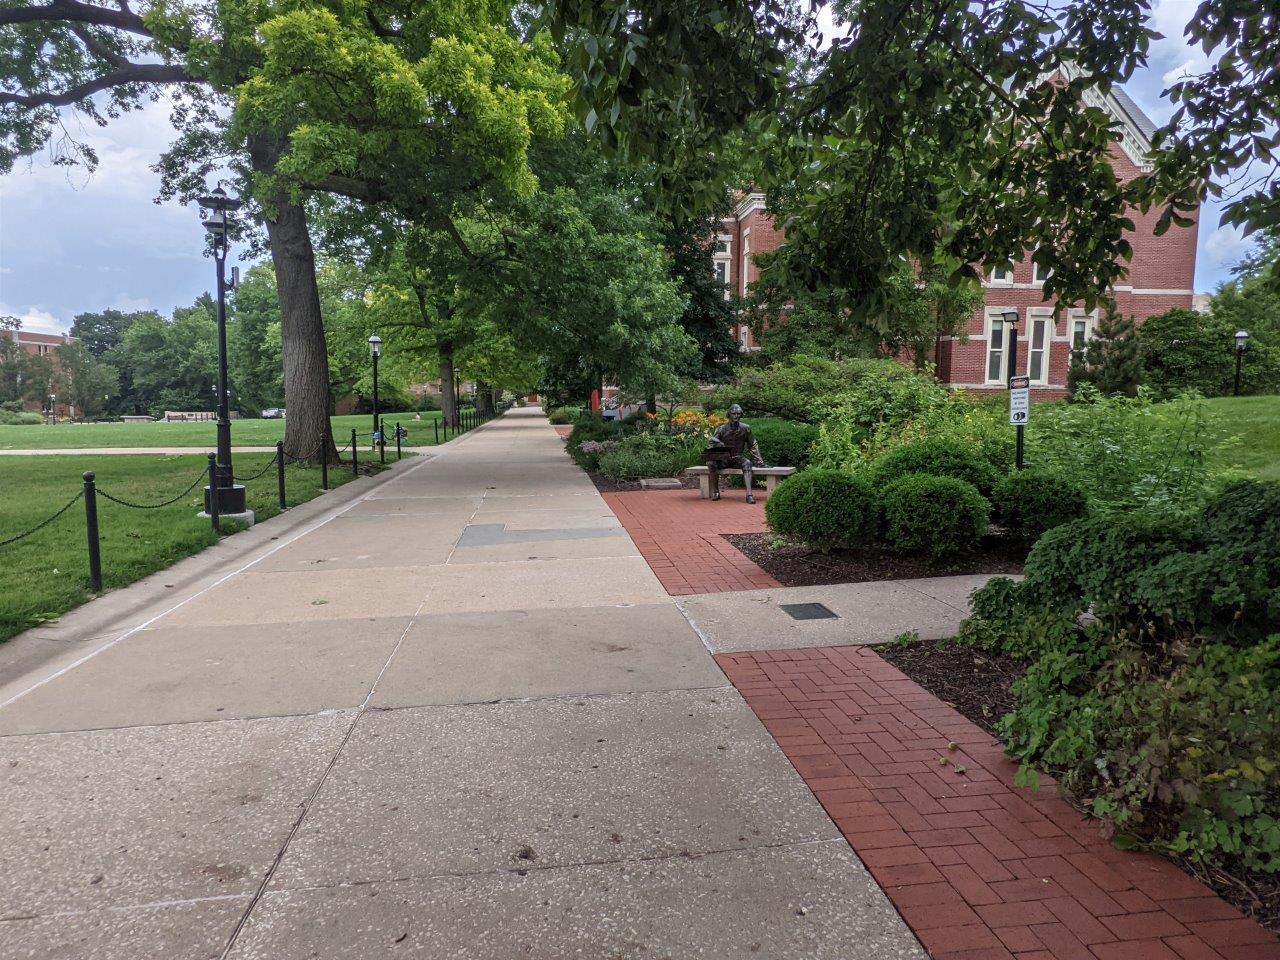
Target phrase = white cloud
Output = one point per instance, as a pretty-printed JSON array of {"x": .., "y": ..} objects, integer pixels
[
  {"x": 1225, "y": 246},
  {"x": 35, "y": 320},
  {"x": 127, "y": 304}
]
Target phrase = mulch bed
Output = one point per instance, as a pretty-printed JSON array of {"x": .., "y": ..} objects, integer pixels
[
  {"x": 605, "y": 485},
  {"x": 795, "y": 565},
  {"x": 977, "y": 685}
]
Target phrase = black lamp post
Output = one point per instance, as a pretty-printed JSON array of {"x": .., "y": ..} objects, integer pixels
[
  {"x": 1242, "y": 341},
  {"x": 375, "y": 351},
  {"x": 230, "y": 495}
]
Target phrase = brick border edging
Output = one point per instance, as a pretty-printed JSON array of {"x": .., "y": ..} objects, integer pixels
[{"x": 978, "y": 868}]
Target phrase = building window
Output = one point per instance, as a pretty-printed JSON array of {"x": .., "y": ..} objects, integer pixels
[
  {"x": 745, "y": 338},
  {"x": 722, "y": 272},
  {"x": 997, "y": 353},
  {"x": 722, "y": 246},
  {"x": 1040, "y": 273},
  {"x": 1079, "y": 329},
  {"x": 1002, "y": 274},
  {"x": 746, "y": 260},
  {"x": 1039, "y": 332}
]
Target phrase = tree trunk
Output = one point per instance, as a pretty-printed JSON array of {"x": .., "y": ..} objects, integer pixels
[
  {"x": 484, "y": 399},
  {"x": 651, "y": 404},
  {"x": 306, "y": 355},
  {"x": 448, "y": 401}
]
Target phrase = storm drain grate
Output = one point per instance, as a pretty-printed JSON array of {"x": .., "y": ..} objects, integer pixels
[{"x": 809, "y": 611}]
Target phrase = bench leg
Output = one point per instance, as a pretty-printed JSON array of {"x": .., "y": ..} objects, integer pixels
[
  {"x": 704, "y": 486},
  {"x": 771, "y": 482}
]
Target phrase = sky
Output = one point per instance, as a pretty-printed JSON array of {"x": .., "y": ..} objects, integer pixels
[{"x": 72, "y": 242}]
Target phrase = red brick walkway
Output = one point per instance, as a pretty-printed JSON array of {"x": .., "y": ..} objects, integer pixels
[
  {"x": 679, "y": 534},
  {"x": 979, "y": 869}
]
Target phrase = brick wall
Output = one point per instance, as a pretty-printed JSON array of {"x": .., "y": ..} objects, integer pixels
[{"x": 1161, "y": 275}]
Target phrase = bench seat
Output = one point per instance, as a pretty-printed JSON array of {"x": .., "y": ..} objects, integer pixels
[{"x": 771, "y": 477}]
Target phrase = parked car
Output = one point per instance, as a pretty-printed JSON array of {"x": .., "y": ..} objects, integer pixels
[{"x": 273, "y": 413}]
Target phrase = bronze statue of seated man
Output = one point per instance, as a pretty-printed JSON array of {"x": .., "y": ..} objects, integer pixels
[{"x": 733, "y": 446}]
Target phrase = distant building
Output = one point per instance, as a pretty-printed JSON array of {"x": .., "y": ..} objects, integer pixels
[
  {"x": 1160, "y": 277},
  {"x": 43, "y": 345}
]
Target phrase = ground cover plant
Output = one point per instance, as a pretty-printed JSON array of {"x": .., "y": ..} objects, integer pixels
[
  {"x": 1152, "y": 689},
  {"x": 249, "y": 433},
  {"x": 47, "y": 574}
]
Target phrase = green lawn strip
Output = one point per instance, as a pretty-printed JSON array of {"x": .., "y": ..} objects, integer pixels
[
  {"x": 47, "y": 574},
  {"x": 1256, "y": 422},
  {"x": 245, "y": 433}
]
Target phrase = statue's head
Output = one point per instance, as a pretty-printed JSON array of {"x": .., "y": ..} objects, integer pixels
[{"x": 735, "y": 413}]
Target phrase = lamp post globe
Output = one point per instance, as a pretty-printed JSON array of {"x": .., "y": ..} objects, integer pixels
[
  {"x": 375, "y": 351},
  {"x": 217, "y": 208},
  {"x": 1242, "y": 342}
]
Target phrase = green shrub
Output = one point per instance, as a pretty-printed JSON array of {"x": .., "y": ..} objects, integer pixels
[
  {"x": 1161, "y": 708},
  {"x": 1029, "y": 502},
  {"x": 938, "y": 457},
  {"x": 824, "y": 508},
  {"x": 936, "y": 516},
  {"x": 650, "y": 455},
  {"x": 1127, "y": 451},
  {"x": 784, "y": 443},
  {"x": 564, "y": 415},
  {"x": 24, "y": 418}
]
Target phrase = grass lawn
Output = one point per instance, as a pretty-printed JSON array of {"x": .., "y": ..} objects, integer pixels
[
  {"x": 1256, "y": 421},
  {"x": 248, "y": 433},
  {"x": 47, "y": 574}
]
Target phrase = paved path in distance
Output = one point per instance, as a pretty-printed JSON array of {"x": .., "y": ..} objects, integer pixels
[{"x": 460, "y": 719}]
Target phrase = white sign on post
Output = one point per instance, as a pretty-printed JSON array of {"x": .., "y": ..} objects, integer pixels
[{"x": 1019, "y": 400}]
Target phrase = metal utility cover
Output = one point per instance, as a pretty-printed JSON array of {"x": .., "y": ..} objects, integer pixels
[{"x": 809, "y": 611}]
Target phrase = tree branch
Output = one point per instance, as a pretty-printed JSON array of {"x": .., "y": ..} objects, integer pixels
[
  {"x": 131, "y": 73},
  {"x": 73, "y": 11},
  {"x": 97, "y": 47}
]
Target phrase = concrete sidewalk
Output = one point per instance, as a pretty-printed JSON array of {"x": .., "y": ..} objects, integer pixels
[{"x": 460, "y": 719}]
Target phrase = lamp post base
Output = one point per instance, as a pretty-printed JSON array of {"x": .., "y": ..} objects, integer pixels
[{"x": 231, "y": 500}]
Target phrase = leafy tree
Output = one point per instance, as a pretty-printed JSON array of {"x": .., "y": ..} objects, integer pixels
[
  {"x": 254, "y": 343},
  {"x": 1110, "y": 361},
  {"x": 83, "y": 379},
  {"x": 708, "y": 313},
  {"x": 12, "y": 359},
  {"x": 103, "y": 331},
  {"x": 933, "y": 132},
  {"x": 175, "y": 362},
  {"x": 1186, "y": 350}
]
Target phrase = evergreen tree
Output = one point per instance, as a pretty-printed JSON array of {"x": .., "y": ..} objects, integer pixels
[{"x": 1110, "y": 361}]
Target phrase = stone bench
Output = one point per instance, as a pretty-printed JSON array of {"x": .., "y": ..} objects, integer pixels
[
  {"x": 771, "y": 477},
  {"x": 136, "y": 419}
]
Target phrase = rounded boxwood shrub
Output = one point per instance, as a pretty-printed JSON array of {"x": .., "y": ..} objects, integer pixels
[
  {"x": 823, "y": 508},
  {"x": 784, "y": 443},
  {"x": 938, "y": 457},
  {"x": 1029, "y": 502},
  {"x": 936, "y": 516}
]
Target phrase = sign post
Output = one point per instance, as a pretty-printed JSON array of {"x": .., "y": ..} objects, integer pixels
[{"x": 1019, "y": 408}]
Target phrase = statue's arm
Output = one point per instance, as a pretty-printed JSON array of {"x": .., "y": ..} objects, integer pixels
[{"x": 755, "y": 451}]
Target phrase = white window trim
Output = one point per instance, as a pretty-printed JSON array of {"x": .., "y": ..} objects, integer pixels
[
  {"x": 746, "y": 259},
  {"x": 727, "y": 259},
  {"x": 1038, "y": 281},
  {"x": 994, "y": 281},
  {"x": 1051, "y": 329},
  {"x": 992, "y": 314},
  {"x": 1091, "y": 325}
]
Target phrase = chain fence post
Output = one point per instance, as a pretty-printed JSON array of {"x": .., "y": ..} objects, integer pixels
[
  {"x": 398, "y": 454},
  {"x": 280, "y": 473},
  {"x": 214, "y": 519},
  {"x": 382, "y": 441},
  {"x": 435, "y": 428},
  {"x": 324, "y": 460},
  {"x": 355, "y": 469},
  {"x": 91, "y": 523}
]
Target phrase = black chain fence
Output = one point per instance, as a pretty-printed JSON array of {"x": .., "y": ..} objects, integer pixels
[
  {"x": 43, "y": 523},
  {"x": 200, "y": 478}
]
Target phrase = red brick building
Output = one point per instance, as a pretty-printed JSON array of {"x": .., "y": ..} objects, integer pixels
[
  {"x": 43, "y": 345},
  {"x": 1160, "y": 278}
]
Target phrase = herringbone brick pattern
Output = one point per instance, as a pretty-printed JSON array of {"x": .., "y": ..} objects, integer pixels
[{"x": 980, "y": 869}]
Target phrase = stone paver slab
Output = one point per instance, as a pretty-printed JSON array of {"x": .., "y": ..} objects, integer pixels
[
  {"x": 812, "y": 901},
  {"x": 581, "y": 779},
  {"x": 190, "y": 931},
  {"x": 549, "y": 584},
  {"x": 365, "y": 542},
  {"x": 478, "y": 657},
  {"x": 866, "y": 613},
  {"x": 183, "y": 674},
  {"x": 310, "y": 596},
  {"x": 393, "y": 500},
  {"x": 153, "y": 814}
]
